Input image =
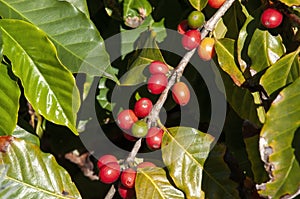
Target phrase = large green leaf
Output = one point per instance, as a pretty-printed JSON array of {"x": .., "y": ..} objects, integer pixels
[
  {"x": 184, "y": 151},
  {"x": 135, "y": 12},
  {"x": 276, "y": 138},
  {"x": 198, "y": 4},
  {"x": 226, "y": 53},
  {"x": 283, "y": 72},
  {"x": 264, "y": 49},
  {"x": 78, "y": 42},
  {"x": 48, "y": 85},
  {"x": 27, "y": 172},
  {"x": 153, "y": 183},
  {"x": 9, "y": 94},
  {"x": 216, "y": 178},
  {"x": 291, "y": 2},
  {"x": 24, "y": 135},
  {"x": 80, "y": 5}
]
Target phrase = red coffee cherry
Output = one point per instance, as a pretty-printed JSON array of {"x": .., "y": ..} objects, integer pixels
[
  {"x": 143, "y": 107},
  {"x": 128, "y": 178},
  {"x": 191, "y": 39},
  {"x": 110, "y": 172},
  {"x": 158, "y": 67},
  {"x": 103, "y": 160},
  {"x": 125, "y": 192},
  {"x": 126, "y": 118},
  {"x": 183, "y": 27},
  {"x": 145, "y": 164},
  {"x": 215, "y": 3},
  {"x": 157, "y": 83},
  {"x": 181, "y": 93},
  {"x": 206, "y": 49},
  {"x": 129, "y": 137},
  {"x": 154, "y": 138},
  {"x": 271, "y": 18}
]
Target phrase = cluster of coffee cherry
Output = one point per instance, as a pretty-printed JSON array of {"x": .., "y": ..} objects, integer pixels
[{"x": 110, "y": 171}]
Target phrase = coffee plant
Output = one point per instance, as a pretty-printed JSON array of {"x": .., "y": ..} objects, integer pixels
[{"x": 149, "y": 99}]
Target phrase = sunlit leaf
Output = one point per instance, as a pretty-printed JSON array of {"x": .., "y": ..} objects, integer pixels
[
  {"x": 102, "y": 96},
  {"x": 198, "y": 4},
  {"x": 80, "y": 5},
  {"x": 48, "y": 85},
  {"x": 291, "y": 2},
  {"x": 27, "y": 172}
]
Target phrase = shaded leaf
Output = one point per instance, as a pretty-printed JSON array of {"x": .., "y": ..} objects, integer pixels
[
  {"x": 184, "y": 151},
  {"x": 264, "y": 49},
  {"x": 78, "y": 42},
  {"x": 283, "y": 72},
  {"x": 29, "y": 173},
  {"x": 135, "y": 12},
  {"x": 225, "y": 51},
  {"x": 198, "y": 4},
  {"x": 9, "y": 94},
  {"x": 291, "y": 2},
  {"x": 216, "y": 178},
  {"x": 153, "y": 183},
  {"x": 277, "y": 134},
  {"x": 35, "y": 63}
]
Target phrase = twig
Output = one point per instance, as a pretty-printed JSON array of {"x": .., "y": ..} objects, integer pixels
[{"x": 110, "y": 194}]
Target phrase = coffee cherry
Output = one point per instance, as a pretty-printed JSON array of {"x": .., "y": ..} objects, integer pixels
[
  {"x": 128, "y": 178},
  {"x": 139, "y": 129},
  {"x": 271, "y": 18},
  {"x": 157, "y": 83},
  {"x": 129, "y": 137},
  {"x": 181, "y": 93},
  {"x": 143, "y": 107},
  {"x": 154, "y": 138},
  {"x": 158, "y": 67},
  {"x": 206, "y": 49},
  {"x": 196, "y": 19},
  {"x": 183, "y": 27},
  {"x": 103, "y": 160},
  {"x": 145, "y": 164},
  {"x": 126, "y": 118},
  {"x": 125, "y": 192},
  {"x": 216, "y": 3},
  {"x": 191, "y": 39},
  {"x": 109, "y": 173}
]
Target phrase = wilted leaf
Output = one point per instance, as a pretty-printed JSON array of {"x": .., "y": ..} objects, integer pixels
[
  {"x": 135, "y": 12},
  {"x": 184, "y": 151},
  {"x": 153, "y": 183},
  {"x": 276, "y": 138},
  {"x": 26, "y": 172},
  {"x": 283, "y": 72},
  {"x": 9, "y": 94},
  {"x": 78, "y": 42},
  {"x": 198, "y": 4},
  {"x": 216, "y": 178},
  {"x": 48, "y": 85}
]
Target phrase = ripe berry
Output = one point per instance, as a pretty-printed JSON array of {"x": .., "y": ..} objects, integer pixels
[
  {"x": 125, "y": 192},
  {"x": 128, "y": 178},
  {"x": 145, "y": 164},
  {"x": 126, "y": 118},
  {"x": 191, "y": 39},
  {"x": 154, "y": 138},
  {"x": 181, "y": 93},
  {"x": 206, "y": 49},
  {"x": 110, "y": 172},
  {"x": 129, "y": 137},
  {"x": 271, "y": 18},
  {"x": 215, "y": 3},
  {"x": 157, "y": 83},
  {"x": 158, "y": 67},
  {"x": 103, "y": 160},
  {"x": 183, "y": 27},
  {"x": 196, "y": 19},
  {"x": 139, "y": 129},
  {"x": 143, "y": 107}
]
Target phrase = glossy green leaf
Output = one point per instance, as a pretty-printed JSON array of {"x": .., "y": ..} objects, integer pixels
[
  {"x": 216, "y": 178},
  {"x": 264, "y": 49},
  {"x": 291, "y": 2},
  {"x": 102, "y": 96},
  {"x": 135, "y": 12},
  {"x": 27, "y": 172},
  {"x": 9, "y": 94},
  {"x": 153, "y": 183},
  {"x": 198, "y": 4},
  {"x": 226, "y": 58},
  {"x": 260, "y": 174},
  {"x": 144, "y": 57},
  {"x": 276, "y": 138},
  {"x": 24, "y": 135},
  {"x": 48, "y": 85},
  {"x": 283, "y": 72},
  {"x": 184, "y": 151},
  {"x": 80, "y": 5},
  {"x": 78, "y": 42}
]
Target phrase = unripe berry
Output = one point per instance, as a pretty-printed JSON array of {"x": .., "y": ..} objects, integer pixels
[
  {"x": 206, "y": 49},
  {"x": 196, "y": 19},
  {"x": 139, "y": 129}
]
